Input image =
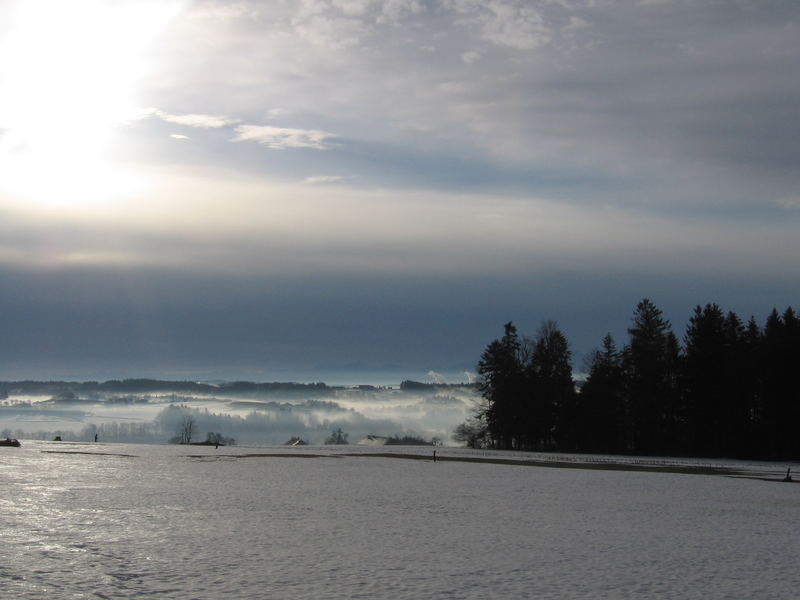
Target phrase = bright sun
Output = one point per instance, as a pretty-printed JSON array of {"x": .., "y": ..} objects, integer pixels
[{"x": 68, "y": 82}]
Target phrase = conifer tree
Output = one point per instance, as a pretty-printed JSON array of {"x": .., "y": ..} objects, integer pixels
[
  {"x": 771, "y": 409},
  {"x": 780, "y": 409},
  {"x": 650, "y": 363},
  {"x": 741, "y": 377},
  {"x": 705, "y": 382},
  {"x": 730, "y": 393},
  {"x": 601, "y": 402},
  {"x": 551, "y": 408},
  {"x": 500, "y": 373}
]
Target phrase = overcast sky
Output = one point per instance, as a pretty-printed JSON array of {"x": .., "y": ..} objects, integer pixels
[{"x": 307, "y": 189}]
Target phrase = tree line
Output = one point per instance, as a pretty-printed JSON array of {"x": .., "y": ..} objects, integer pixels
[{"x": 728, "y": 390}]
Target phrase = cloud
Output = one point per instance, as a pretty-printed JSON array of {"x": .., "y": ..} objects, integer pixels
[
  {"x": 315, "y": 179},
  {"x": 664, "y": 93},
  {"x": 216, "y": 11},
  {"x": 508, "y": 23},
  {"x": 516, "y": 25},
  {"x": 199, "y": 121},
  {"x": 437, "y": 377},
  {"x": 790, "y": 202},
  {"x": 496, "y": 141},
  {"x": 470, "y": 57},
  {"x": 178, "y": 136},
  {"x": 392, "y": 11},
  {"x": 336, "y": 25},
  {"x": 352, "y": 7},
  {"x": 360, "y": 13},
  {"x": 577, "y": 23},
  {"x": 278, "y": 112},
  {"x": 266, "y": 229},
  {"x": 280, "y": 138}
]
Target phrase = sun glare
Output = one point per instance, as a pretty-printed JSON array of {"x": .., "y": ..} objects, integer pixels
[{"x": 68, "y": 81}]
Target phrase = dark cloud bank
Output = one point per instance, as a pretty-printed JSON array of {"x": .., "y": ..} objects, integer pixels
[{"x": 103, "y": 324}]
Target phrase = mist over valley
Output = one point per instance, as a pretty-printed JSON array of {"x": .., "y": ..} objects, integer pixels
[{"x": 150, "y": 411}]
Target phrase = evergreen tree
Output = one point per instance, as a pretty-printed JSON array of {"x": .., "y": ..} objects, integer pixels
[
  {"x": 790, "y": 396},
  {"x": 551, "y": 411},
  {"x": 780, "y": 409},
  {"x": 741, "y": 380},
  {"x": 601, "y": 402},
  {"x": 674, "y": 412},
  {"x": 500, "y": 383},
  {"x": 771, "y": 412},
  {"x": 547, "y": 385},
  {"x": 706, "y": 380},
  {"x": 650, "y": 362},
  {"x": 731, "y": 393}
]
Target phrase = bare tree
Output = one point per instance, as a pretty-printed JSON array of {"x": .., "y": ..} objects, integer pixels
[{"x": 186, "y": 429}]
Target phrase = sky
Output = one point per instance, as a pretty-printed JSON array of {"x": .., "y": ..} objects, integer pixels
[{"x": 366, "y": 191}]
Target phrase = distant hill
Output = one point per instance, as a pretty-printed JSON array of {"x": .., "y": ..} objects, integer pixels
[
  {"x": 61, "y": 388},
  {"x": 65, "y": 389}
]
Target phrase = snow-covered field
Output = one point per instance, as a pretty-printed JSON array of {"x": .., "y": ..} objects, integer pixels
[{"x": 147, "y": 521}]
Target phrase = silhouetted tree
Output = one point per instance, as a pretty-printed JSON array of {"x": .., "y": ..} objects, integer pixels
[
  {"x": 714, "y": 408},
  {"x": 779, "y": 410},
  {"x": 787, "y": 386},
  {"x": 215, "y": 438},
  {"x": 337, "y": 437},
  {"x": 500, "y": 383},
  {"x": 703, "y": 377},
  {"x": 741, "y": 385},
  {"x": 731, "y": 392},
  {"x": 472, "y": 432},
  {"x": 651, "y": 367},
  {"x": 186, "y": 430},
  {"x": 750, "y": 379},
  {"x": 600, "y": 402},
  {"x": 549, "y": 412}
]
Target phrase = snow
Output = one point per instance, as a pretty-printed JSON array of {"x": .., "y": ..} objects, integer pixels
[{"x": 146, "y": 521}]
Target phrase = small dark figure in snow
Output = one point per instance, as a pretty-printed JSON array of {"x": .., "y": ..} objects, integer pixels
[
  {"x": 788, "y": 475},
  {"x": 95, "y": 438}
]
